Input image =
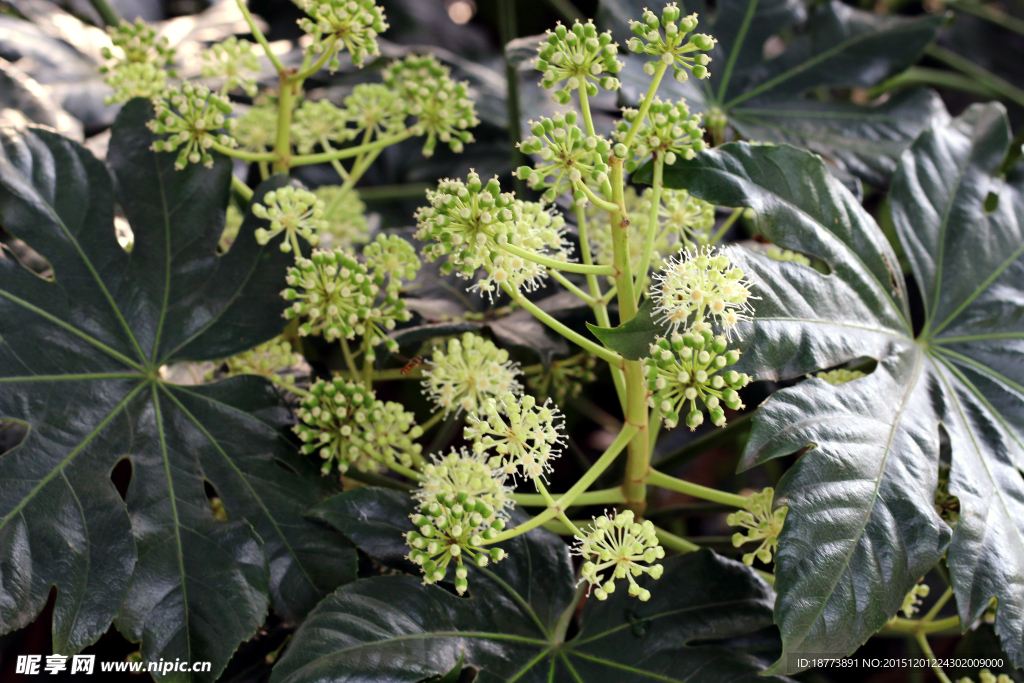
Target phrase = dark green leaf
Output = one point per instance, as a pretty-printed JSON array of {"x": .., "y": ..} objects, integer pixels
[
  {"x": 778, "y": 98},
  {"x": 392, "y": 629},
  {"x": 633, "y": 338},
  {"x": 862, "y": 527},
  {"x": 80, "y": 359}
]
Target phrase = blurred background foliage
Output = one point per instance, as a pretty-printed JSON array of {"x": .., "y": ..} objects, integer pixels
[{"x": 49, "y": 53}]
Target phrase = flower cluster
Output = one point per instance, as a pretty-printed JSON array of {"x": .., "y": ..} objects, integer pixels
[
  {"x": 683, "y": 214},
  {"x": 563, "y": 378},
  {"x": 293, "y": 211},
  {"x": 335, "y": 25},
  {"x": 577, "y": 56},
  {"x": 468, "y": 222},
  {"x": 623, "y": 546},
  {"x": 913, "y": 599},
  {"x": 136, "y": 80},
  {"x": 567, "y": 156},
  {"x": 464, "y": 471},
  {"x": 687, "y": 369},
  {"x": 229, "y": 60},
  {"x": 453, "y": 528},
  {"x": 441, "y": 106},
  {"x": 761, "y": 523},
  {"x": 336, "y": 297},
  {"x": 472, "y": 371},
  {"x": 390, "y": 259},
  {"x": 137, "y": 43},
  {"x": 702, "y": 285},
  {"x": 316, "y": 122},
  {"x": 348, "y": 427},
  {"x": 344, "y": 217},
  {"x": 272, "y": 360},
  {"x": 526, "y": 437},
  {"x": 669, "y": 130},
  {"x": 374, "y": 108},
  {"x": 787, "y": 255},
  {"x": 673, "y": 48},
  {"x": 257, "y": 129},
  {"x": 191, "y": 117}
]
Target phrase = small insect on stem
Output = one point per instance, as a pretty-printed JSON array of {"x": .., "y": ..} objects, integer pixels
[{"x": 412, "y": 365}]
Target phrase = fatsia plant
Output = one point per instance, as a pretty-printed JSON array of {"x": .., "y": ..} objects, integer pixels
[
  {"x": 862, "y": 526},
  {"x": 80, "y": 365}
]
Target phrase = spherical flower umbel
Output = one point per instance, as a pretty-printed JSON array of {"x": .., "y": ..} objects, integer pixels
[
  {"x": 230, "y": 60},
  {"x": 581, "y": 58},
  {"x": 684, "y": 215},
  {"x": 669, "y": 130},
  {"x": 376, "y": 108},
  {"x": 257, "y": 128},
  {"x": 136, "y": 43},
  {"x": 762, "y": 524},
  {"x": 625, "y": 548},
  {"x": 465, "y": 471},
  {"x": 318, "y": 122},
  {"x": 567, "y": 156},
  {"x": 348, "y": 427},
  {"x": 469, "y": 372},
  {"x": 468, "y": 222},
  {"x": 293, "y": 211},
  {"x": 136, "y": 79},
  {"x": 688, "y": 369},
  {"x": 702, "y": 286},
  {"x": 524, "y": 437},
  {"x": 335, "y": 25},
  {"x": 673, "y": 48},
  {"x": 441, "y": 106},
  {"x": 336, "y": 294},
  {"x": 453, "y": 528},
  {"x": 191, "y": 117},
  {"x": 391, "y": 259},
  {"x": 344, "y": 216}
]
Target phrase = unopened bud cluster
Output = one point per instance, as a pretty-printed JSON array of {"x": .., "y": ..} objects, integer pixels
[
  {"x": 702, "y": 286},
  {"x": 787, "y": 255},
  {"x": 347, "y": 426},
  {"x": 470, "y": 372},
  {"x": 333, "y": 293},
  {"x": 563, "y": 378},
  {"x": 525, "y": 437},
  {"x": 691, "y": 368},
  {"x": 136, "y": 43},
  {"x": 272, "y": 360},
  {"x": 391, "y": 260},
  {"x": 376, "y": 108},
  {"x": 344, "y": 217},
  {"x": 839, "y": 376},
  {"x": 191, "y": 118},
  {"x": 684, "y": 215},
  {"x": 669, "y": 130},
  {"x": 579, "y": 57},
  {"x": 441, "y": 106},
  {"x": 316, "y": 122},
  {"x": 293, "y": 211},
  {"x": 229, "y": 61},
  {"x": 666, "y": 40},
  {"x": 567, "y": 157},
  {"x": 762, "y": 524},
  {"x": 623, "y": 548},
  {"x": 335, "y": 25}
]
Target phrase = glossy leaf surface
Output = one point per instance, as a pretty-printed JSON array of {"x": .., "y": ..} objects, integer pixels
[
  {"x": 862, "y": 526},
  {"x": 80, "y": 360}
]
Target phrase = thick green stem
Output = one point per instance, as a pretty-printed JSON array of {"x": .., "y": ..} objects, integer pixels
[
  {"x": 563, "y": 503},
  {"x": 556, "y": 264},
  {"x": 652, "y": 223},
  {"x": 594, "y": 199},
  {"x": 922, "y": 640},
  {"x": 241, "y": 188},
  {"x": 242, "y": 154},
  {"x": 348, "y": 152},
  {"x": 260, "y": 38},
  {"x": 107, "y": 13},
  {"x": 939, "y": 604},
  {"x": 603, "y": 496},
  {"x": 645, "y": 105},
  {"x": 306, "y": 72},
  {"x": 913, "y": 626},
  {"x": 550, "y": 502},
  {"x": 576, "y": 338},
  {"x": 283, "y": 142},
  {"x": 588, "y": 120},
  {"x": 665, "y": 481}
]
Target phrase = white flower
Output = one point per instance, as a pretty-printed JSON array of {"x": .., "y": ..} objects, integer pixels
[
  {"x": 698, "y": 287},
  {"x": 526, "y": 437},
  {"x": 471, "y": 371},
  {"x": 624, "y": 547}
]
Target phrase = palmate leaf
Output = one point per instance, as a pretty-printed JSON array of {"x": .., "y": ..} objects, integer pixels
[
  {"x": 80, "y": 358},
  {"x": 771, "y": 100},
  {"x": 862, "y": 526},
  {"x": 391, "y": 629}
]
